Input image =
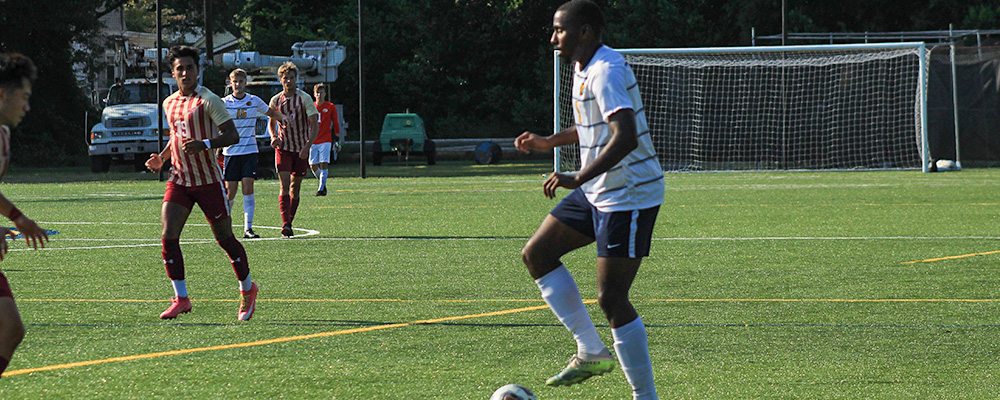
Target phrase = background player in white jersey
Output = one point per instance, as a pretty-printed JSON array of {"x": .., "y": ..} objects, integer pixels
[
  {"x": 291, "y": 142},
  {"x": 17, "y": 72},
  {"x": 241, "y": 161},
  {"x": 197, "y": 117},
  {"x": 616, "y": 196}
]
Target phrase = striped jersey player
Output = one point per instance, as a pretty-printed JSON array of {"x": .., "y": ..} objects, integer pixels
[
  {"x": 17, "y": 72},
  {"x": 196, "y": 117},
  {"x": 291, "y": 141}
]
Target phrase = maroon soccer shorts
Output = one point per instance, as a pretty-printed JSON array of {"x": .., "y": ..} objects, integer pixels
[
  {"x": 288, "y": 161},
  {"x": 211, "y": 198}
]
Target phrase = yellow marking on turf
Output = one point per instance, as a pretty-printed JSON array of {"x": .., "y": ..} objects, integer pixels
[
  {"x": 825, "y": 300},
  {"x": 952, "y": 257},
  {"x": 268, "y": 341}
]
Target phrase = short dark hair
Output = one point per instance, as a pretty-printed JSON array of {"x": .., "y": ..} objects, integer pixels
[
  {"x": 584, "y": 12},
  {"x": 14, "y": 69},
  {"x": 182, "y": 51}
]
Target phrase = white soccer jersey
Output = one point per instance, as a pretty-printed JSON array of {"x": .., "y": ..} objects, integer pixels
[
  {"x": 245, "y": 112},
  {"x": 603, "y": 87},
  {"x": 194, "y": 117}
]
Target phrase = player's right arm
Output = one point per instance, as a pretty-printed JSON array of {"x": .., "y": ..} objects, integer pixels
[
  {"x": 529, "y": 141},
  {"x": 156, "y": 161},
  {"x": 272, "y": 123},
  {"x": 34, "y": 236}
]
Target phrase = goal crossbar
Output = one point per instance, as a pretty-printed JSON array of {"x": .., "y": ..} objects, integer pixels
[{"x": 815, "y": 107}]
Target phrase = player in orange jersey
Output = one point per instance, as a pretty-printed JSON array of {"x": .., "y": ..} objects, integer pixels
[{"x": 329, "y": 127}]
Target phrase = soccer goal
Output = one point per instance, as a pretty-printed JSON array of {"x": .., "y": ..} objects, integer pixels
[{"x": 821, "y": 107}]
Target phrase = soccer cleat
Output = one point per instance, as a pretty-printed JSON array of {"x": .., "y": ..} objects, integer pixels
[
  {"x": 248, "y": 302},
  {"x": 321, "y": 192},
  {"x": 579, "y": 370},
  {"x": 250, "y": 234},
  {"x": 286, "y": 231},
  {"x": 178, "y": 305}
]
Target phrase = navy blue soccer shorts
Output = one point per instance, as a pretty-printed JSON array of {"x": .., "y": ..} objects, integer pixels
[
  {"x": 238, "y": 167},
  {"x": 619, "y": 234}
]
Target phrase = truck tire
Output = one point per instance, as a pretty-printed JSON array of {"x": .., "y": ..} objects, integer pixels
[
  {"x": 430, "y": 150},
  {"x": 100, "y": 164},
  {"x": 377, "y": 153}
]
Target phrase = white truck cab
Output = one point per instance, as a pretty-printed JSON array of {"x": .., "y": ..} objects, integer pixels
[{"x": 127, "y": 132}]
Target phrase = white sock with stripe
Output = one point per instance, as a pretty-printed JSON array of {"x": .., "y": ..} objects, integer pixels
[
  {"x": 632, "y": 348},
  {"x": 323, "y": 173},
  {"x": 560, "y": 292}
]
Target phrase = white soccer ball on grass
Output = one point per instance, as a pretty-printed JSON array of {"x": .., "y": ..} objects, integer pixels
[{"x": 513, "y": 391}]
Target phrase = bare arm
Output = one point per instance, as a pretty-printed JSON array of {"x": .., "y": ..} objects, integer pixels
[
  {"x": 528, "y": 141},
  {"x": 313, "y": 132},
  {"x": 229, "y": 136},
  {"x": 34, "y": 236}
]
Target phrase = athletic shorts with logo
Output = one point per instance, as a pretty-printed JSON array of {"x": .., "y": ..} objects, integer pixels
[
  {"x": 287, "y": 161},
  {"x": 235, "y": 168},
  {"x": 211, "y": 198},
  {"x": 619, "y": 234}
]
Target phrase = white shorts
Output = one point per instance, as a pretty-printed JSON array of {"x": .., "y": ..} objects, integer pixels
[{"x": 319, "y": 153}]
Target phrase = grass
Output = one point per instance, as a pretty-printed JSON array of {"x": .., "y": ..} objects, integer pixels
[{"x": 409, "y": 285}]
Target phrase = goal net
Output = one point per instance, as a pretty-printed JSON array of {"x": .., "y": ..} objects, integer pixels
[{"x": 775, "y": 108}]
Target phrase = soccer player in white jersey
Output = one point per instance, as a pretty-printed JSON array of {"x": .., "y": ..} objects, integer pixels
[
  {"x": 196, "y": 117},
  {"x": 291, "y": 142},
  {"x": 241, "y": 162},
  {"x": 17, "y": 72},
  {"x": 614, "y": 201}
]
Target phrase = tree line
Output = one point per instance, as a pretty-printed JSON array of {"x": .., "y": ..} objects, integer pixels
[{"x": 471, "y": 68}]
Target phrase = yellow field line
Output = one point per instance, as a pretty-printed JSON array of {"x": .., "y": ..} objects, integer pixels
[
  {"x": 952, "y": 257},
  {"x": 825, "y": 300},
  {"x": 265, "y": 342}
]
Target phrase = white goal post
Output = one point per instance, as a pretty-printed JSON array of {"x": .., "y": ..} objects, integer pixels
[{"x": 819, "y": 107}]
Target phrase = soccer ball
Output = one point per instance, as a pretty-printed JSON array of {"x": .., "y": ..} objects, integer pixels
[{"x": 513, "y": 391}]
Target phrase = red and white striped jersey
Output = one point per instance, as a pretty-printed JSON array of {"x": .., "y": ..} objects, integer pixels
[
  {"x": 195, "y": 117},
  {"x": 295, "y": 136},
  {"x": 4, "y": 149}
]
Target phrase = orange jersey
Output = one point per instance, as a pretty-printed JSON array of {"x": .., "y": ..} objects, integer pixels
[
  {"x": 294, "y": 136},
  {"x": 195, "y": 117},
  {"x": 328, "y": 122}
]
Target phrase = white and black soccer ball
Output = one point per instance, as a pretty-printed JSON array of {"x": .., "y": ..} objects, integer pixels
[{"x": 513, "y": 391}]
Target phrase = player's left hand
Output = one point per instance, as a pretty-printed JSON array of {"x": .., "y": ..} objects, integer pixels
[
  {"x": 192, "y": 146},
  {"x": 557, "y": 180},
  {"x": 304, "y": 154},
  {"x": 34, "y": 236}
]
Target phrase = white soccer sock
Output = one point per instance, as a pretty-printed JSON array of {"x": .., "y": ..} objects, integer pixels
[
  {"x": 180, "y": 288},
  {"x": 246, "y": 284},
  {"x": 249, "y": 204},
  {"x": 560, "y": 292},
  {"x": 323, "y": 173},
  {"x": 633, "y": 353}
]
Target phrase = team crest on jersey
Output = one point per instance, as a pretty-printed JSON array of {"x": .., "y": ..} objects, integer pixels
[
  {"x": 16, "y": 234},
  {"x": 248, "y": 103}
]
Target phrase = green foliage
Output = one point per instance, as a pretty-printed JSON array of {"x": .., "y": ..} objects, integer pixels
[{"x": 53, "y": 131}]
